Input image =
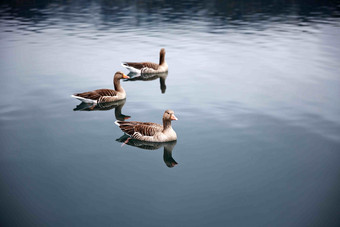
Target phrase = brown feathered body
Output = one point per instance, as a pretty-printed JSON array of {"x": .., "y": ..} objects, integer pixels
[
  {"x": 148, "y": 131},
  {"x": 148, "y": 67},
  {"x": 104, "y": 95}
]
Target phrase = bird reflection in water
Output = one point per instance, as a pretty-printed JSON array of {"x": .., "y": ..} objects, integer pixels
[
  {"x": 168, "y": 147},
  {"x": 118, "y": 105},
  {"x": 147, "y": 77}
]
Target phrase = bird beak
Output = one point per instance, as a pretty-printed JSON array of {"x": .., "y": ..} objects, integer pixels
[
  {"x": 127, "y": 117},
  {"x": 125, "y": 76},
  {"x": 173, "y": 117}
]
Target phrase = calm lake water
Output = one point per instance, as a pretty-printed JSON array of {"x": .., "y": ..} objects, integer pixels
[{"x": 255, "y": 86}]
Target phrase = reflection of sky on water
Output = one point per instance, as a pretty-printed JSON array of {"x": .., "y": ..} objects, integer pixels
[{"x": 255, "y": 85}]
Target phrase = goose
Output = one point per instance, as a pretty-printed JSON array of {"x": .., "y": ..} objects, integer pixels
[
  {"x": 105, "y": 95},
  {"x": 150, "y": 132},
  {"x": 148, "y": 67}
]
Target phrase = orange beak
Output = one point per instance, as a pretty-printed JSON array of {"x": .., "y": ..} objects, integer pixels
[
  {"x": 173, "y": 117},
  {"x": 125, "y": 76}
]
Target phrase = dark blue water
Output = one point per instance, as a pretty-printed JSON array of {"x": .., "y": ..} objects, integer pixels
[{"x": 255, "y": 85}]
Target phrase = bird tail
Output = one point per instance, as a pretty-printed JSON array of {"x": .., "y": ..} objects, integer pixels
[{"x": 130, "y": 68}]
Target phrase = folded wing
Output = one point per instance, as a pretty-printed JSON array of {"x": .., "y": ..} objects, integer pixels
[
  {"x": 144, "y": 128},
  {"x": 141, "y": 65},
  {"x": 96, "y": 94}
]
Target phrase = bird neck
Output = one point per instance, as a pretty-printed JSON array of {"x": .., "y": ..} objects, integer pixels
[
  {"x": 117, "y": 86},
  {"x": 161, "y": 58},
  {"x": 166, "y": 124}
]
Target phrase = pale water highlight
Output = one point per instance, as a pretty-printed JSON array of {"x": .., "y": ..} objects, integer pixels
[{"x": 255, "y": 86}]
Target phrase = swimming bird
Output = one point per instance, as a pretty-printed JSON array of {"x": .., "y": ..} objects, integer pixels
[
  {"x": 148, "y": 67},
  {"x": 151, "y": 132},
  {"x": 105, "y": 95}
]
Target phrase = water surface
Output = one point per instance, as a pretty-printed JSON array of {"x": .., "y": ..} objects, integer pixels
[{"x": 255, "y": 86}]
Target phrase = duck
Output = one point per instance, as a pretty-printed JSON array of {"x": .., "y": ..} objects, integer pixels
[
  {"x": 105, "y": 95},
  {"x": 148, "y": 67},
  {"x": 151, "y": 132}
]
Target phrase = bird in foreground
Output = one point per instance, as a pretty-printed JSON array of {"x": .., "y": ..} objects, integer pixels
[
  {"x": 105, "y": 95},
  {"x": 151, "y": 132},
  {"x": 148, "y": 67}
]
